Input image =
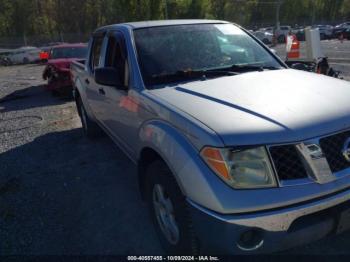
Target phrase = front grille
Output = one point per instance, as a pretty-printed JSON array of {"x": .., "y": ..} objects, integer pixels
[
  {"x": 332, "y": 147},
  {"x": 287, "y": 162}
]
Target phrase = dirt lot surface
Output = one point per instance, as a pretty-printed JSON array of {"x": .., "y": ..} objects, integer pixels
[
  {"x": 60, "y": 193},
  {"x": 63, "y": 194}
]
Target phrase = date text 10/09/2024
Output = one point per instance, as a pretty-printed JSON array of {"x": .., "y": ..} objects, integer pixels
[{"x": 173, "y": 258}]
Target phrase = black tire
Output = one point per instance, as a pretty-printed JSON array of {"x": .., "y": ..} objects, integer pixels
[
  {"x": 159, "y": 174},
  {"x": 266, "y": 41},
  {"x": 8, "y": 62},
  {"x": 90, "y": 128},
  {"x": 281, "y": 39},
  {"x": 55, "y": 93}
]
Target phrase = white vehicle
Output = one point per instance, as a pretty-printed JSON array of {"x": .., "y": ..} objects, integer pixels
[
  {"x": 264, "y": 36},
  {"x": 24, "y": 55},
  {"x": 326, "y": 31},
  {"x": 281, "y": 33},
  {"x": 267, "y": 29}
]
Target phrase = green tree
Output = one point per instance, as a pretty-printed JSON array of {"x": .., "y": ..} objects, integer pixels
[{"x": 53, "y": 18}]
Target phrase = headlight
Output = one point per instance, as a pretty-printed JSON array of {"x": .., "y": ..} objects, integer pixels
[{"x": 243, "y": 169}]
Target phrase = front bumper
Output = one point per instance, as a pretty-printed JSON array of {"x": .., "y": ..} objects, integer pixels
[
  {"x": 276, "y": 230},
  {"x": 61, "y": 83}
]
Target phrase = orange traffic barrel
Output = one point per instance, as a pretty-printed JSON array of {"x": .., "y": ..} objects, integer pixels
[{"x": 293, "y": 47}]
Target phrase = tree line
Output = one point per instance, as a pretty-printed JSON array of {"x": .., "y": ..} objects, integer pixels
[{"x": 54, "y": 17}]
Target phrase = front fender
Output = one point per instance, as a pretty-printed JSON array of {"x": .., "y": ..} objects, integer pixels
[{"x": 183, "y": 159}]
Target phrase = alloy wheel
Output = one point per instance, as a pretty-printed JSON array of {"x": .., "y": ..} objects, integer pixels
[{"x": 164, "y": 211}]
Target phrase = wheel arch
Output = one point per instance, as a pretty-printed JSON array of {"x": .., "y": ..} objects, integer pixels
[
  {"x": 181, "y": 153},
  {"x": 160, "y": 140}
]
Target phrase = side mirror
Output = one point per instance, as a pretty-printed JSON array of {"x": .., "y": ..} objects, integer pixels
[{"x": 108, "y": 76}]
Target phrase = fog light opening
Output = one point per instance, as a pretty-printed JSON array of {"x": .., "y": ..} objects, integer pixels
[{"x": 250, "y": 240}]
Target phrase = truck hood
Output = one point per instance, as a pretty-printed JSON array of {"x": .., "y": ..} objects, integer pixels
[
  {"x": 62, "y": 63},
  {"x": 265, "y": 107}
]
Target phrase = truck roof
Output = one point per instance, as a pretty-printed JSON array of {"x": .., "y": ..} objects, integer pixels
[{"x": 155, "y": 23}]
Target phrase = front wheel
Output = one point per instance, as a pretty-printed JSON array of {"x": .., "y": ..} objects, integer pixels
[{"x": 169, "y": 211}]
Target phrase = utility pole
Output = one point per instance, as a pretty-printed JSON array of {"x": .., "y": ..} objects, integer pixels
[
  {"x": 278, "y": 9},
  {"x": 313, "y": 13},
  {"x": 25, "y": 39},
  {"x": 166, "y": 9}
]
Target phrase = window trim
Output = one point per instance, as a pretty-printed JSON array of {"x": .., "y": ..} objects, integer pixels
[
  {"x": 120, "y": 38},
  {"x": 91, "y": 55}
]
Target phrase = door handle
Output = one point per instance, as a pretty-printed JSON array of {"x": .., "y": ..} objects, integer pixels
[
  {"x": 102, "y": 91},
  {"x": 87, "y": 81}
]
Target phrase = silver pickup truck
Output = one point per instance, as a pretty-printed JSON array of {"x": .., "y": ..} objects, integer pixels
[{"x": 236, "y": 153}]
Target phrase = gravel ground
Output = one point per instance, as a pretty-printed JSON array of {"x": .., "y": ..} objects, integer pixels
[
  {"x": 60, "y": 193},
  {"x": 65, "y": 195}
]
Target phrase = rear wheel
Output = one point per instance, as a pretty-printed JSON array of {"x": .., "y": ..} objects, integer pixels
[
  {"x": 169, "y": 211},
  {"x": 90, "y": 128}
]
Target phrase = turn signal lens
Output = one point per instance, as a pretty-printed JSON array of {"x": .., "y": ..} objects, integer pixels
[{"x": 215, "y": 160}]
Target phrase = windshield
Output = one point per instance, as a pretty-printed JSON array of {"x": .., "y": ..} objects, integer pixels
[
  {"x": 68, "y": 52},
  {"x": 170, "y": 49}
]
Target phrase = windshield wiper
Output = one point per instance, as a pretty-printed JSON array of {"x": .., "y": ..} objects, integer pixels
[
  {"x": 183, "y": 75},
  {"x": 248, "y": 67},
  {"x": 206, "y": 73}
]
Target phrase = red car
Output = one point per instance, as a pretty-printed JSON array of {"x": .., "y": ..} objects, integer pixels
[{"x": 57, "y": 70}]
